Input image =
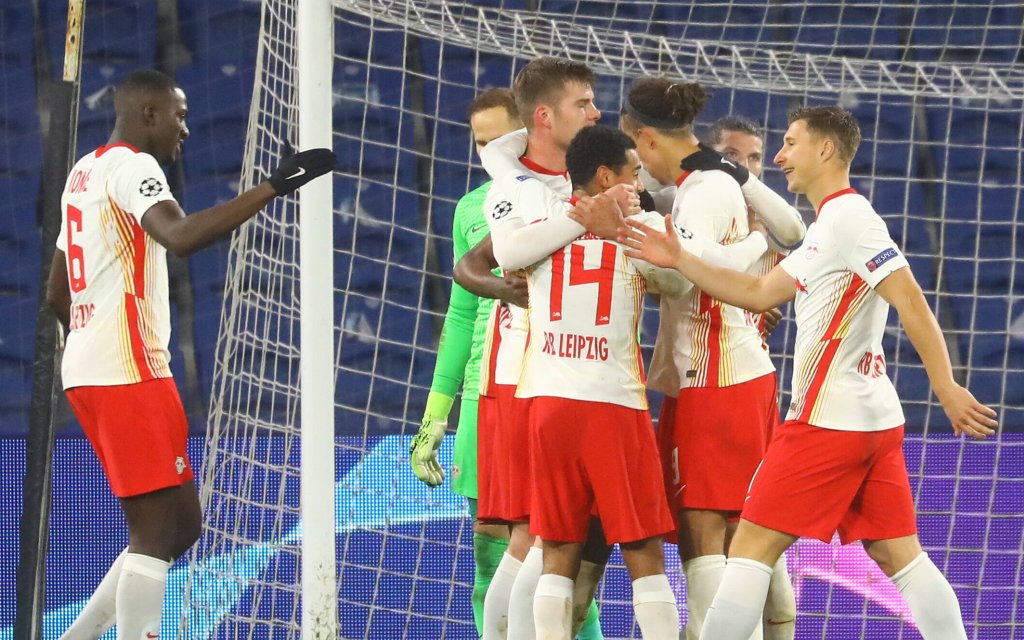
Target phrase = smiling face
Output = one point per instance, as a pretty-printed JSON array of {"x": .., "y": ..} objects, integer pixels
[
  {"x": 742, "y": 148},
  {"x": 800, "y": 157},
  {"x": 166, "y": 120},
  {"x": 607, "y": 177}
]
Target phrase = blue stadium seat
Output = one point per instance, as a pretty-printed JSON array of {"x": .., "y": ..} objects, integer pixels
[
  {"x": 222, "y": 33},
  {"x": 16, "y": 34},
  {"x": 20, "y": 143},
  {"x": 116, "y": 32}
]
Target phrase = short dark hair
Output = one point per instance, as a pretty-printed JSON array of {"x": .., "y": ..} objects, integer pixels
[
  {"x": 662, "y": 104},
  {"x": 543, "y": 80},
  {"x": 495, "y": 97},
  {"x": 147, "y": 80},
  {"x": 834, "y": 122},
  {"x": 593, "y": 147},
  {"x": 738, "y": 124}
]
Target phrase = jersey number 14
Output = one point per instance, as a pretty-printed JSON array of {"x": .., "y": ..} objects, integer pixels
[{"x": 602, "y": 276}]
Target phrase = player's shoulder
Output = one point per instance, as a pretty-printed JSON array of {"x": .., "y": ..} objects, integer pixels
[
  {"x": 850, "y": 210},
  {"x": 474, "y": 199},
  {"x": 712, "y": 179}
]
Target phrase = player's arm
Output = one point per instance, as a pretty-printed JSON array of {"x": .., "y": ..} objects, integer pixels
[
  {"x": 58, "y": 292},
  {"x": 785, "y": 225},
  {"x": 474, "y": 272},
  {"x": 665, "y": 249},
  {"x": 707, "y": 212},
  {"x": 968, "y": 416},
  {"x": 184, "y": 234}
]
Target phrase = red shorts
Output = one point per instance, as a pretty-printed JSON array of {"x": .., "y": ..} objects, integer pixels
[
  {"x": 711, "y": 440},
  {"x": 503, "y": 456},
  {"x": 139, "y": 432},
  {"x": 600, "y": 458},
  {"x": 815, "y": 481}
]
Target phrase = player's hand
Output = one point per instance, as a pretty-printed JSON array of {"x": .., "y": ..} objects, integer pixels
[
  {"x": 660, "y": 248},
  {"x": 772, "y": 317},
  {"x": 626, "y": 197},
  {"x": 298, "y": 169},
  {"x": 423, "y": 450},
  {"x": 516, "y": 290},
  {"x": 601, "y": 215},
  {"x": 707, "y": 159},
  {"x": 968, "y": 416}
]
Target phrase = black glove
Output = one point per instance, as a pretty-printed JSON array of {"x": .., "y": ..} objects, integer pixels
[
  {"x": 707, "y": 159},
  {"x": 298, "y": 169},
  {"x": 646, "y": 201}
]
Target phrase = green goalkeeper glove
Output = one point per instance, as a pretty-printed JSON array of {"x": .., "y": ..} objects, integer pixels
[{"x": 423, "y": 450}]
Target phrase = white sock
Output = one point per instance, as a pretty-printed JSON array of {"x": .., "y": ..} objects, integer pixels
[
  {"x": 552, "y": 607},
  {"x": 779, "y": 618},
  {"x": 654, "y": 605},
  {"x": 703, "y": 575},
  {"x": 932, "y": 601},
  {"x": 583, "y": 591},
  {"x": 140, "y": 596},
  {"x": 520, "y": 602},
  {"x": 97, "y": 615},
  {"x": 735, "y": 613},
  {"x": 496, "y": 600}
]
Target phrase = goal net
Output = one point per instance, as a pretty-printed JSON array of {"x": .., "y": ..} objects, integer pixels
[{"x": 938, "y": 89}]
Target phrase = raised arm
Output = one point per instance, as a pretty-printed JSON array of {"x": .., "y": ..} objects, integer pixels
[
  {"x": 739, "y": 289},
  {"x": 183, "y": 234},
  {"x": 968, "y": 416}
]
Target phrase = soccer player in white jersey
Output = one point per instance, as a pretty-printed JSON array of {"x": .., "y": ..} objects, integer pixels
[
  {"x": 719, "y": 383},
  {"x": 837, "y": 462},
  {"x": 555, "y": 100},
  {"x": 741, "y": 141},
  {"x": 592, "y": 444},
  {"x": 108, "y": 287}
]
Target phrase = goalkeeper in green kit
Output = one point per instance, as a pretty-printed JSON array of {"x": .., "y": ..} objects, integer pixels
[{"x": 491, "y": 114}]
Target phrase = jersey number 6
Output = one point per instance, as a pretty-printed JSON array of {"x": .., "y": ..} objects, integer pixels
[{"x": 76, "y": 255}]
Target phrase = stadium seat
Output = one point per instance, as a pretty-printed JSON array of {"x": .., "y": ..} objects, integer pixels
[
  {"x": 221, "y": 34},
  {"x": 16, "y": 35},
  {"x": 20, "y": 143}
]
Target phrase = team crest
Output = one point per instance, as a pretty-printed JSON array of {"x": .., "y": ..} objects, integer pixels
[
  {"x": 179, "y": 465},
  {"x": 151, "y": 187},
  {"x": 501, "y": 210}
]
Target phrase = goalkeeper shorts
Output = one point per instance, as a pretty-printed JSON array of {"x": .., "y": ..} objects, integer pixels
[
  {"x": 139, "y": 432},
  {"x": 815, "y": 481},
  {"x": 711, "y": 440},
  {"x": 595, "y": 458},
  {"x": 503, "y": 456}
]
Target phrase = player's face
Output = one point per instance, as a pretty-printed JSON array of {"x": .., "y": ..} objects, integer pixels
[
  {"x": 647, "y": 151},
  {"x": 490, "y": 124},
  {"x": 799, "y": 157},
  {"x": 170, "y": 128},
  {"x": 574, "y": 110},
  {"x": 743, "y": 149},
  {"x": 628, "y": 173}
]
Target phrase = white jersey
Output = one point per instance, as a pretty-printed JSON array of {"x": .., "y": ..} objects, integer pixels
[
  {"x": 586, "y": 301},
  {"x": 701, "y": 341},
  {"x": 506, "y": 339},
  {"x": 120, "y": 317},
  {"x": 839, "y": 379}
]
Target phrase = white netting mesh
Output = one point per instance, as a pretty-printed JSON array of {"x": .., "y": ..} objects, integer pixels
[{"x": 939, "y": 91}]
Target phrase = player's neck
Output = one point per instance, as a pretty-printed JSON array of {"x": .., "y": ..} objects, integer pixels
[
  {"x": 118, "y": 135},
  {"x": 545, "y": 153},
  {"x": 678, "y": 152},
  {"x": 825, "y": 186}
]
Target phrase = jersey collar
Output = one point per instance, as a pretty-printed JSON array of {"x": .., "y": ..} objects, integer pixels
[
  {"x": 536, "y": 168},
  {"x": 680, "y": 179},
  {"x": 841, "y": 192},
  {"x": 107, "y": 147}
]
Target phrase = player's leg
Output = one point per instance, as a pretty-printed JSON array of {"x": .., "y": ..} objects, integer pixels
[
  {"x": 654, "y": 603},
  {"x": 701, "y": 534},
  {"x": 520, "y": 601},
  {"x": 883, "y": 517},
  {"x": 595, "y": 554},
  {"x": 552, "y": 605},
  {"x": 98, "y": 614},
  {"x": 778, "y": 622}
]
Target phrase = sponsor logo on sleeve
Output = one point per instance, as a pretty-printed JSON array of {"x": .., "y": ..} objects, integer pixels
[
  {"x": 523, "y": 178},
  {"x": 151, "y": 187},
  {"x": 881, "y": 258},
  {"x": 501, "y": 210}
]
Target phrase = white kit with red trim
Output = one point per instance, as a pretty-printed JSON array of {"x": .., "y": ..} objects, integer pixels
[
  {"x": 120, "y": 316},
  {"x": 839, "y": 379},
  {"x": 701, "y": 341},
  {"x": 506, "y": 338}
]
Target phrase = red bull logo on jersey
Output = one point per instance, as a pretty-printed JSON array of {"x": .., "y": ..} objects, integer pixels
[
  {"x": 576, "y": 346},
  {"x": 881, "y": 258}
]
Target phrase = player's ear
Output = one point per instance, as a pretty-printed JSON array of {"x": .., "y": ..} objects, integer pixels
[
  {"x": 828, "y": 148},
  {"x": 542, "y": 116}
]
